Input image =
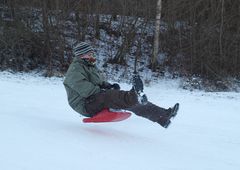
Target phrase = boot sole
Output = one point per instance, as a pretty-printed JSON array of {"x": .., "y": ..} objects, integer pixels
[{"x": 174, "y": 110}]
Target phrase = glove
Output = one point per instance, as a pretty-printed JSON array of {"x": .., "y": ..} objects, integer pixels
[
  {"x": 106, "y": 85},
  {"x": 116, "y": 86}
]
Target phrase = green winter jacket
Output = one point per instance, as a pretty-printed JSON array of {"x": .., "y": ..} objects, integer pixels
[{"x": 82, "y": 80}]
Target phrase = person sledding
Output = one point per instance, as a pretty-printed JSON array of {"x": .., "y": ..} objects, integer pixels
[{"x": 88, "y": 93}]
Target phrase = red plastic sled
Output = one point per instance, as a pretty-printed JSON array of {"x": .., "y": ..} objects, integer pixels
[{"x": 108, "y": 116}]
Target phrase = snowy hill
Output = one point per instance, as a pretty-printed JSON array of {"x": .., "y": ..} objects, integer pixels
[{"x": 39, "y": 131}]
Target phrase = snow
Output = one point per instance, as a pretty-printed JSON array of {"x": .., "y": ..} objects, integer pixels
[{"x": 38, "y": 130}]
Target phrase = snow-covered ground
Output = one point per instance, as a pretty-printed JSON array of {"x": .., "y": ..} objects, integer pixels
[{"x": 39, "y": 131}]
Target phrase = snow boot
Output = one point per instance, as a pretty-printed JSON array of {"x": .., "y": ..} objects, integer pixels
[
  {"x": 173, "y": 111},
  {"x": 165, "y": 121},
  {"x": 142, "y": 99},
  {"x": 138, "y": 88},
  {"x": 137, "y": 83}
]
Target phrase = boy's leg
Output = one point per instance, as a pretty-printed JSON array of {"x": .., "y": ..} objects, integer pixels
[
  {"x": 156, "y": 113},
  {"x": 150, "y": 111},
  {"x": 115, "y": 99}
]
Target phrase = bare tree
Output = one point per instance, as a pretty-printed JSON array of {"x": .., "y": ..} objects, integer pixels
[
  {"x": 156, "y": 36},
  {"x": 221, "y": 29}
]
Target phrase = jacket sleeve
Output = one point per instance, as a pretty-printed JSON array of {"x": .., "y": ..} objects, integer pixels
[{"x": 77, "y": 81}]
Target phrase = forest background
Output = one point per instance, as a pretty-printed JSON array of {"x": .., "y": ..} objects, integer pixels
[{"x": 199, "y": 40}]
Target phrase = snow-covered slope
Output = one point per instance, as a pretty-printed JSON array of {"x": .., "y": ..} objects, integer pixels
[{"x": 39, "y": 131}]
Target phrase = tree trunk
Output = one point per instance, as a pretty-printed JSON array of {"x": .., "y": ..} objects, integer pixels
[
  {"x": 156, "y": 36},
  {"x": 47, "y": 50},
  {"x": 221, "y": 31}
]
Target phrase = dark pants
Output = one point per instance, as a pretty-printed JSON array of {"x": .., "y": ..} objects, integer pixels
[
  {"x": 150, "y": 111},
  {"x": 115, "y": 99}
]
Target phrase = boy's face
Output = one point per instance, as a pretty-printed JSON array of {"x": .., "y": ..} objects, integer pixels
[{"x": 89, "y": 56}]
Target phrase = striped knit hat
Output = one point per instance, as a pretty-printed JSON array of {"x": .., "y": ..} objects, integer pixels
[{"x": 82, "y": 48}]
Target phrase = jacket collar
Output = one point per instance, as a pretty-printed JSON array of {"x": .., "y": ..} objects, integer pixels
[{"x": 84, "y": 62}]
